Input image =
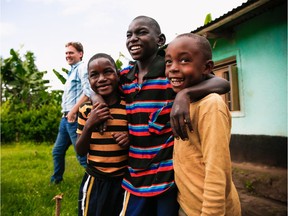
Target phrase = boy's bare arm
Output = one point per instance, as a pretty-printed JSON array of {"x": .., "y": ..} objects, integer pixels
[
  {"x": 180, "y": 114},
  {"x": 98, "y": 98},
  {"x": 98, "y": 114}
]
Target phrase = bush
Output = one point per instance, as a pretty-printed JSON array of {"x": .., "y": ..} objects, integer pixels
[
  {"x": 7, "y": 124},
  {"x": 39, "y": 125}
]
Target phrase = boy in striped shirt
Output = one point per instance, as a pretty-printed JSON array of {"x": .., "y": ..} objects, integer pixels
[
  {"x": 107, "y": 153},
  {"x": 149, "y": 182}
]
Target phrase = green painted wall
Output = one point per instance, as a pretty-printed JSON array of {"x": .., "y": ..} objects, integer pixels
[{"x": 260, "y": 46}]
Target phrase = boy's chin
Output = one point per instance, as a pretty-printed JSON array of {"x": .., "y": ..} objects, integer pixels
[
  {"x": 176, "y": 90},
  {"x": 136, "y": 56}
]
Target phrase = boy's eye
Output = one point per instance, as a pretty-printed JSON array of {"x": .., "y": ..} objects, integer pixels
[
  {"x": 94, "y": 75},
  {"x": 105, "y": 73},
  {"x": 108, "y": 72},
  {"x": 168, "y": 61},
  {"x": 184, "y": 60},
  {"x": 142, "y": 32}
]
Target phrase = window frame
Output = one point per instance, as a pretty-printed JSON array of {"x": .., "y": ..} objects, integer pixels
[{"x": 227, "y": 69}]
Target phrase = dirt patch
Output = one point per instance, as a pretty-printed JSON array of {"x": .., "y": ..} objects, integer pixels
[{"x": 262, "y": 190}]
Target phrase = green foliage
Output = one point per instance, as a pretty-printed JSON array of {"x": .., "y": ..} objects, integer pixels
[
  {"x": 22, "y": 82},
  {"x": 119, "y": 64},
  {"x": 249, "y": 186},
  {"x": 28, "y": 110},
  {"x": 59, "y": 75},
  {"x": 25, "y": 181},
  {"x": 208, "y": 19},
  {"x": 7, "y": 123},
  {"x": 118, "y": 61},
  {"x": 36, "y": 124}
]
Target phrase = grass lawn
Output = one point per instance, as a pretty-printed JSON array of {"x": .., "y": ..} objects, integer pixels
[{"x": 25, "y": 181}]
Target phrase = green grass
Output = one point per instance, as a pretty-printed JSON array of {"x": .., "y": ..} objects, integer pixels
[{"x": 25, "y": 181}]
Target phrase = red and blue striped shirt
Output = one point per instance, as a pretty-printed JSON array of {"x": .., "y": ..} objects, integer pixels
[{"x": 148, "y": 108}]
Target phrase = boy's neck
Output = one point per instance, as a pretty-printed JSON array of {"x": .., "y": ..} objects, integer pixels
[
  {"x": 143, "y": 67},
  {"x": 112, "y": 98}
]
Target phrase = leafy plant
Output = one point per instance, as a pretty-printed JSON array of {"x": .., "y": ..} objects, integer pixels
[
  {"x": 60, "y": 76},
  {"x": 21, "y": 81},
  {"x": 29, "y": 111},
  {"x": 208, "y": 19},
  {"x": 249, "y": 186}
]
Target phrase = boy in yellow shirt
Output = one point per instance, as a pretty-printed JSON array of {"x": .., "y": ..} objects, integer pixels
[{"x": 202, "y": 164}]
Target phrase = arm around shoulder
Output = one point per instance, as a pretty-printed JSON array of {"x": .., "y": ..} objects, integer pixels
[
  {"x": 180, "y": 115},
  {"x": 212, "y": 84}
]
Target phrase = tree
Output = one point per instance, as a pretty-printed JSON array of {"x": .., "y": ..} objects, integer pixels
[
  {"x": 21, "y": 81},
  {"x": 28, "y": 110}
]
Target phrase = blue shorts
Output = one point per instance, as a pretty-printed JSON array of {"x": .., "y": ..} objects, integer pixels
[
  {"x": 162, "y": 205},
  {"x": 98, "y": 196}
]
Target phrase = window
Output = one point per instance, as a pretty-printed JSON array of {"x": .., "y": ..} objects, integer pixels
[{"x": 227, "y": 69}]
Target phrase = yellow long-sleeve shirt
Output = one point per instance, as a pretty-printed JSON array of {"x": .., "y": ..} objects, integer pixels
[{"x": 202, "y": 164}]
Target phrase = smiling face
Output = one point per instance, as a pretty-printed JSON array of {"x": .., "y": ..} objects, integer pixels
[
  {"x": 186, "y": 64},
  {"x": 73, "y": 56},
  {"x": 143, "y": 38},
  {"x": 103, "y": 77}
]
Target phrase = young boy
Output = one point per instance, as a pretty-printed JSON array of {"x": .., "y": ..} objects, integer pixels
[
  {"x": 100, "y": 191},
  {"x": 202, "y": 164},
  {"x": 149, "y": 184}
]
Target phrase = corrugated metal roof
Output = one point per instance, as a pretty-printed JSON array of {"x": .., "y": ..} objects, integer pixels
[{"x": 244, "y": 12}]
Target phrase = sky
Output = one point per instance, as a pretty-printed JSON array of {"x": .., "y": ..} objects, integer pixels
[{"x": 45, "y": 26}]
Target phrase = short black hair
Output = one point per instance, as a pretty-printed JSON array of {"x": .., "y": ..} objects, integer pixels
[
  {"x": 203, "y": 43},
  {"x": 102, "y": 55},
  {"x": 151, "y": 21}
]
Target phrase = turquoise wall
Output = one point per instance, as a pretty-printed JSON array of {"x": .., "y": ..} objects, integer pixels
[{"x": 260, "y": 47}]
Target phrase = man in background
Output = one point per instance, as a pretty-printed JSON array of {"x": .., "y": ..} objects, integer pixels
[{"x": 76, "y": 91}]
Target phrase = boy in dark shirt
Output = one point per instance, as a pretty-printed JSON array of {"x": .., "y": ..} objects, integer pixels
[{"x": 149, "y": 184}]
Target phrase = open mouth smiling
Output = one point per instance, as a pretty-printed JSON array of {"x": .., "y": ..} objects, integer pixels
[
  {"x": 176, "y": 81},
  {"x": 133, "y": 48}
]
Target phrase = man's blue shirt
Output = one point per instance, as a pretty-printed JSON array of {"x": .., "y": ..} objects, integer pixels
[{"x": 76, "y": 83}]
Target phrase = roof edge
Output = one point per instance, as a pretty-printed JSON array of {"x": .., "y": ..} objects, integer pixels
[{"x": 226, "y": 19}]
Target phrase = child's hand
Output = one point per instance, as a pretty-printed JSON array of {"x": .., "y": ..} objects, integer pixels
[
  {"x": 180, "y": 116},
  {"x": 122, "y": 138},
  {"x": 98, "y": 98},
  {"x": 100, "y": 112}
]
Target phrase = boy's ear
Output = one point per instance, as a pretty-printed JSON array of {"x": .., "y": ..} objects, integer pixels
[
  {"x": 208, "y": 67},
  {"x": 161, "y": 40}
]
